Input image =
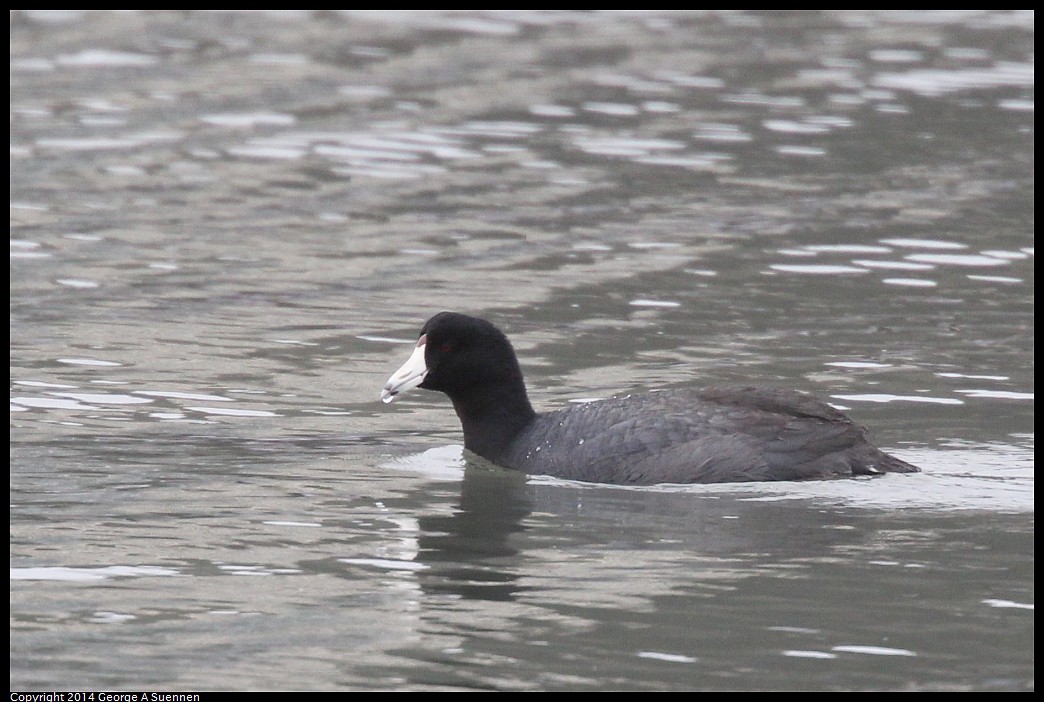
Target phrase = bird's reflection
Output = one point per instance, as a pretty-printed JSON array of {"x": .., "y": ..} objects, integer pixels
[{"x": 471, "y": 552}]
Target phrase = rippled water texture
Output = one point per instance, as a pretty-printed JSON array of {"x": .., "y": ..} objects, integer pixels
[{"x": 228, "y": 227}]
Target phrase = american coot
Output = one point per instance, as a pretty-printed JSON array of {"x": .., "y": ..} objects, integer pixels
[{"x": 711, "y": 435}]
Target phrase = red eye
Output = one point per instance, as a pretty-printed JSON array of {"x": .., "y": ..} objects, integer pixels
[{"x": 445, "y": 348}]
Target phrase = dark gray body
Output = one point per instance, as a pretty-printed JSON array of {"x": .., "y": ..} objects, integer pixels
[{"x": 711, "y": 435}]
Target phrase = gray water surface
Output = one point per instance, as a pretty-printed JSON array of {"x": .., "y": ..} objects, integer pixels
[{"x": 227, "y": 229}]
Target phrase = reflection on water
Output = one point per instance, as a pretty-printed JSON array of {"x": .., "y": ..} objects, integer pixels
[{"x": 225, "y": 224}]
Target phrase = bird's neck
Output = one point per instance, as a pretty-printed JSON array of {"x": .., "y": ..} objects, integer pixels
[{"x": 492, "y": 417}]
